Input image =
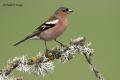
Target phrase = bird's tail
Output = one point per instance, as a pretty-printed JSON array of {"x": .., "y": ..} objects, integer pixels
[
  {"x": 28, "y": 37},
  {"x": 21, "y": 41}
]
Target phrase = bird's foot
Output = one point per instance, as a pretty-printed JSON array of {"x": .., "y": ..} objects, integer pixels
[
  {"x": 63, "y": 45},
  {"x": 47, "y": 50}
]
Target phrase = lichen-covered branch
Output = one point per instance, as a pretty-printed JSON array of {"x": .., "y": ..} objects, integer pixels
[{"x": 42, "y": 64}]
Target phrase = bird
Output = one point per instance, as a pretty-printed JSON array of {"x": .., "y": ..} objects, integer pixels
[{"x": 52, "y": 28}]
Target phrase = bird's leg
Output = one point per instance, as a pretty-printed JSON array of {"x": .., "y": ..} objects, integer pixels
[
  {"x": 46, "y": 46},
  {"x": 47, "y": 51},
  {"x": 59, "y": 42},
  {"x": 63, "y": 45}
]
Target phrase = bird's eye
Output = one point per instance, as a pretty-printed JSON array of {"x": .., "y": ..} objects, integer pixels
[
  {"x": 64, "y": 10},
  {"x": 67, "y": 9}
]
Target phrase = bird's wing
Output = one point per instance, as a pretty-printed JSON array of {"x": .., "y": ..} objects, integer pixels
[
  {"x": 48, "y": 24},
  {"x": 51, "y": 22}
]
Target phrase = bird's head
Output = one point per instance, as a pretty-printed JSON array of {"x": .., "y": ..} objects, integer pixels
[{"x": 63, "y": 11}]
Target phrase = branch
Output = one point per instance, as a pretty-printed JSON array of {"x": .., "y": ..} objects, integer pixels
[
  {"x": 92, "y": 66},
  {"x": 43, "y": 64}
]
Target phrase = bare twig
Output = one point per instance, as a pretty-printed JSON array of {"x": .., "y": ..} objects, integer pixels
[
  {"x": 43, "y": 64},
  {"x": 93, "y": 68}
]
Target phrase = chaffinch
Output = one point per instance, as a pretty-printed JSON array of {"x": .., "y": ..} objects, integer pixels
[{"x": 52, "y": 28}]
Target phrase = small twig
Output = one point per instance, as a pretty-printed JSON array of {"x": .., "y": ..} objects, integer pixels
[
  {"x": 92, "y": 66},
  {"x": 88, "y": 57}
]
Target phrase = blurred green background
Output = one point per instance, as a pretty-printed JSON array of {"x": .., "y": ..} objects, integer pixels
[{"x": 97, "y": 20}]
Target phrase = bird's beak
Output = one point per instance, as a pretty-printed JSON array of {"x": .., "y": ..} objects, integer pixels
[{"x": 70, "y": 11}]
